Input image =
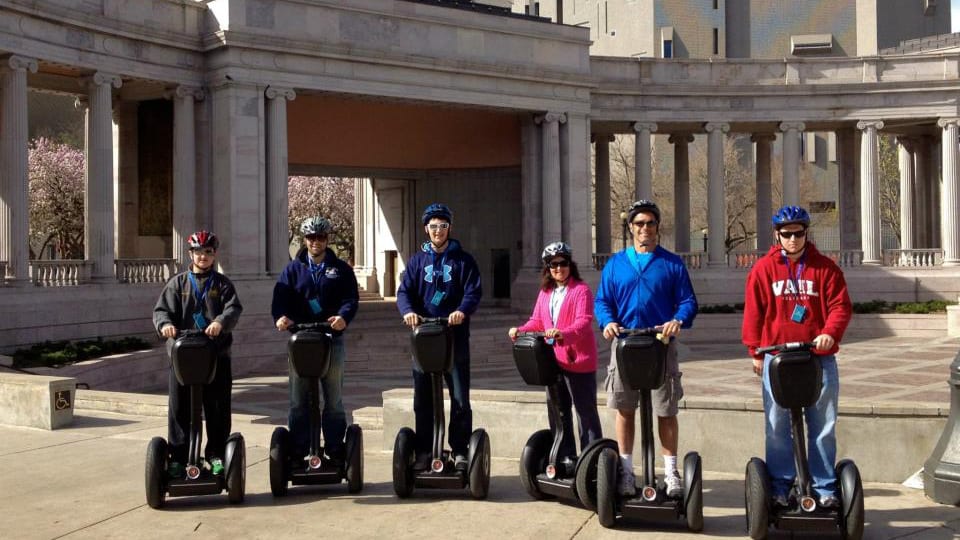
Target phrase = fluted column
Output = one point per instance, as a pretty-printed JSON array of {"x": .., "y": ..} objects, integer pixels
[
  {"x": 642, "y": 162},
  {"x": 870, "y": 191},
  {"x": 848, "y": 167},
  {"x": 14, "y": 179},
  {"x": 550, "y": 175},
  {"x": 184, "y": 169},
  {"x": 923, "y": 202},
  {"x": 905, "y": 151},
  {"x": 278, "y": 251},
  {"x": 602, "y": 194},
  {"x": 531, "y": 189},
  {"x": 98, "y": 204},
  {"x": 716, "y": 202},
  {"x": 791, "y": 161},
  {"x": 950, "y": 196},
  {"x": 681, "y": 190},
  {"x": 764, "y": 192}
]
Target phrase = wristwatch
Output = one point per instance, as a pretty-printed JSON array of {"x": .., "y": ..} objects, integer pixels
[{"x": 679, "y": 321}]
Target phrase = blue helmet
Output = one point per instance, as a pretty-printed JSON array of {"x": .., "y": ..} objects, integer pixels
[
  {"x": 789, "y": 215},
  {"x": 437, "y": 210}
]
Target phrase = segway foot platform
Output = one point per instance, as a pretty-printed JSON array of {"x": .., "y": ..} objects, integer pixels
[
  {"x": 204, "y": 485},
  {"x": 818, "y": 520},
  {"x": 326, "y": 473}
]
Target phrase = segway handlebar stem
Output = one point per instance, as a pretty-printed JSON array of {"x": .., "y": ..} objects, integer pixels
[{"x": 321, "y": 326}]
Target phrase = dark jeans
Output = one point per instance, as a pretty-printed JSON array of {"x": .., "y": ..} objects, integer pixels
[
  {"x": 458, "y": 383},
  {"x": 216, "y": 412},
  {"x": 333, "y": 418},
  {"x": 580, "y": 391}
]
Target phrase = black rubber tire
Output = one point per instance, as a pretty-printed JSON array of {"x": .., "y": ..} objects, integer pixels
[
  {"x": 757, "y": 499},
  {"x": 533, "y": 461},
  {"x": 403, "y": 455},
  {"x": 607, "y": 475},
  {"x": 693, "y": 491},
  {"x": 851, "y": 500},
  {"x": 586, "y": 481},
  {"x": 279, "y": 461},
  {"x": 354, "y": 444},
  {"x": 156, "y": 472},
  {"x": 479, "y": 471},
  {"x": 237, "y": 473}
]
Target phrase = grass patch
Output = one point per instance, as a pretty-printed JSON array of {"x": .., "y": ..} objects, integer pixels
[{"x": 58, "y": 353}]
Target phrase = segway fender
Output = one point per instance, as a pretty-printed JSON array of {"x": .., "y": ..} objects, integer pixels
[
  {"x": 234, "y": 441},
  {"x": 594, "y": 449}
]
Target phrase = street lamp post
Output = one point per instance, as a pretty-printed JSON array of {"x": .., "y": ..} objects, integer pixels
[
  {"x": 704, "y": 231},
  {"x": 623, "y": 230}
]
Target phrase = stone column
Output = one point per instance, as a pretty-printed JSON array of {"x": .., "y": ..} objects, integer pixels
[
  {"x": 577, "y": 213},
  {"x": 365, "y": 245},
  {"x": 184, "y": 170},
  {"x": 550, "y": 174},
  {"x": 716, "y": 201},
  {"x": 764, "y": 193},
  {"x": 602, "y": 190},
  {"x": 127, "y": 181},
  {"x": 531, "y": 190},
  {"x": 791, "y": 161},
  {"x": 14, "y": 178},
  {"x": 681, "y": 190},
  {"x": 848, "y": 166},
  {"x": 950, "y": 196},
  {"x": 870, "y": 191},
  {"x": 923, "y": 203},
  {"x": 278, "y": 248},
  {"x": 642, "y": 160},
  {"x": 98, "y": 204},
  {"x": 905, "y": 150}
]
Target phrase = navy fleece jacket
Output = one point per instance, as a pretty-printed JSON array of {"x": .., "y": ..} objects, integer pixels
[
  {"x": 336, "y": 291},
  {"x": 452, "y": 277}
]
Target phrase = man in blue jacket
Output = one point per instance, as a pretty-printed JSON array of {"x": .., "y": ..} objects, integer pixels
[
  {"x": 316, "y": 286},
  {"x": 646, "y": 286},
  {"x": 442, "y": 280}
]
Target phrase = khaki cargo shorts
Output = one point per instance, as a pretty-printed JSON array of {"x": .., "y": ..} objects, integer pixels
[{"x": 664, "y": 399}]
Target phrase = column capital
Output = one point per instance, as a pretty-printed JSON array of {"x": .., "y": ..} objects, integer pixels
[
  {"x": 645, "y": 126},
  {"x": 15, "y": 62},
  {"x": 680, "y": 138},
  {"x": 792, "y": 126},
  {"x": 947, "y": 122},
  {"x": 81, "y": 102},
  {"x": 602, "y": 137},
  {"x": 867, "y": 124},
  {"x": 101, "y": 78},
  {"x": 274, "y": 92},
  {"x": 763, "y": 137},
  {"x": 186, "y": 91},
  {"x": 710, "y": 127},
  {"x": 550, "y": 117}
]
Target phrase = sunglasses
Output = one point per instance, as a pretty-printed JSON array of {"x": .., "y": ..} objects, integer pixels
[
  {"x": 792, "y": 234},
  {"x": 204, "y": 251},
  {"x": 316, "y": 237},
  {"x": 642, "y": 223},
  {"x": 438, "y": 226},
  {"x": 558, "y": 264}
]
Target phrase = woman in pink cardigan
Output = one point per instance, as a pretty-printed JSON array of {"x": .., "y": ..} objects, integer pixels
[{"x": 564, "y": 313}]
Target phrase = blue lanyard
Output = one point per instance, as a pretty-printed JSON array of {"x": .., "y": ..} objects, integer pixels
[
  {"x": 200, "y": 295},
  {"x": 316, "y": 271}
]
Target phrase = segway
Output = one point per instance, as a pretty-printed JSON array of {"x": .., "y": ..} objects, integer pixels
[
  {"x": 432, "y": 342},
  {"x": 310, "y": 348},
  {"x": 796, "y": 381},
  {"x": 641, "y": 364},
  {"x": 194, "y": 360},
  {"x": 543, "y": 472}
]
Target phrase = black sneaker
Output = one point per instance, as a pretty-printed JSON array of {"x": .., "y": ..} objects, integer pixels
[
  {"x": 422, "y": 462},
  {"x": 175, "y": 470},
  {"x": 335, "y": 457}
]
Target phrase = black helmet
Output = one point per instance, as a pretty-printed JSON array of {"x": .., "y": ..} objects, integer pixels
[
  {"x": 643, "y": 205},
  {"x": 556, "y": 249},
  {"x": 789, "y": 215},
  {"x": 437, "y": 210}
]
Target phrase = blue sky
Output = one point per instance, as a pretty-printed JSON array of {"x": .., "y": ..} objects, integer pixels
[{"x": 955, "y": 15}]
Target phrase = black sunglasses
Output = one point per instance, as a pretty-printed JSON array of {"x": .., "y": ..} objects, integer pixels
[
  {"x": 792, "y": 234},
  {"x": 558, "y": 264},
  {"x": 642, "y": 223}
]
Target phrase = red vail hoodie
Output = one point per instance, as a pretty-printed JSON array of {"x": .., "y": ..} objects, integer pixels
[{"x": 773, "y": 291}]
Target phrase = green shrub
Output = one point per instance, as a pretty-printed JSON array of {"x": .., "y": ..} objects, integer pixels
[{"x": 55, "y": 353}]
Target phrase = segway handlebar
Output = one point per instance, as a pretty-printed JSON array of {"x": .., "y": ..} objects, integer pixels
[
  {"x": 651, "y": 331},
  {"x": 191, "y": 332},
  {"x": 322, "y": 326},
  {"x": 434, "y": 320},
  {"x": 791, "y": 346},
  {"x": 532, "y": 334}
]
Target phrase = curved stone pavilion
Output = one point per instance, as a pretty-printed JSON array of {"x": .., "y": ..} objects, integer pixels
[{"x": 206, "y": 108}]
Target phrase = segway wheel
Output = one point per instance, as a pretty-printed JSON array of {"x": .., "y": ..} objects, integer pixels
[
  {"x": 851, "y": 500},
  {"x": 533, "y": 461},
  {"x": 403, "y": 454},
  {"x": 586, "y": 481},
  {"x": 607, "y": 475},
  {"x": 156, "y": 471},
  {"x": 693, "y": 491},
  {"x": 237, "y": 472},
  {"x": 279, "y": 461},
  {"x": 757, "y": 499},
  {"x": 479, "y": 460},
  {"x": 354, "y": 458}
]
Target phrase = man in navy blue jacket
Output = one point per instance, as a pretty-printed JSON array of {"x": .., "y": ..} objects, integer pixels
[
  {"x": 316, "y": 286},
  {"x": 442, "y": 280},
  {"x": 646, "y": 286}
]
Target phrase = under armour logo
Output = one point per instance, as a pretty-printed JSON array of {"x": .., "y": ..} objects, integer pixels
[{"x": 429, "y": 273}]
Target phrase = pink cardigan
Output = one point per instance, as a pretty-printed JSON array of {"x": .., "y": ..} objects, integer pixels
[{"x": 577, "y": 351}]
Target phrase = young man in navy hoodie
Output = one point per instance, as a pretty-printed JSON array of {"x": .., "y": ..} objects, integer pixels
[
  {"x": 442, "y": 280},
  {"x": 316, "y": 286}
]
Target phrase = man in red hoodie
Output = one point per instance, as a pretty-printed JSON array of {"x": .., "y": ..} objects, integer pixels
[{"x": 794, "y": 293}]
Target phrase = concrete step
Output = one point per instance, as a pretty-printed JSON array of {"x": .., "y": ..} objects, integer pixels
[{"x": 369, "y": 418}]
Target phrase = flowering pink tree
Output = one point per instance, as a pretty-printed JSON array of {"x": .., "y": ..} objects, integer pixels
[
  {"x": 56, "y": 199},
  {"x": 331, "y": 198}
]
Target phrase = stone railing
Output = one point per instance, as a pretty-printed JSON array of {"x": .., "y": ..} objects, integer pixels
[
  {"x": 696, "y": 260},
  {"x": 3, "y": 271},
  {"x": 744, "y": 259},
  {"x": 145, "y": 270},
  {"x": 59, "y": 273},
  {"x": 845, "y": 257},
  {"x": 600, "y": 260},
  {"x": 913, "y": 258}
]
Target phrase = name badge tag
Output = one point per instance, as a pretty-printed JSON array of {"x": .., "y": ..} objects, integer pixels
[
  {"x": 798, "y": 313},
  {"x": 315, "y": 306},
  {"x": 437, "y": 297},
  {"x": 200, "y": 321}
]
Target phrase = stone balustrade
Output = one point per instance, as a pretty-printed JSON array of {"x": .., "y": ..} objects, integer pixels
[
  {"x": 145, "y": 270},
  {"x": 3, "y": 271},
  {"x": 59, "y": 273},
  {"x": 913, "y": 258},
  {"x": 695, "y": 260}
]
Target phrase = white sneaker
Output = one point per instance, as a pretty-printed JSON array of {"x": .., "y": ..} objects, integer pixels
[
  {"x": 628, "y": 483},
  {"x": 674, "y": 485}
]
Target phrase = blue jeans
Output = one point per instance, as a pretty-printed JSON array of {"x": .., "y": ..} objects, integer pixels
[
  {"x": 821, "y": 420},
  {"x": 333, "y": 419},
  {"x": 458, "y": 383}
]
